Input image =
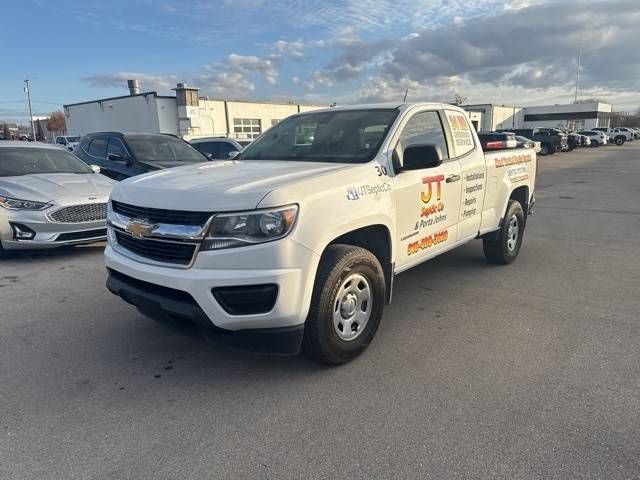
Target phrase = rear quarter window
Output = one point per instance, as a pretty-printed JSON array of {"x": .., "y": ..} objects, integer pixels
[{"x": 460, "y": 132}]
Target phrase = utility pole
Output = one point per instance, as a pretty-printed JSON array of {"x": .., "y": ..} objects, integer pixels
[
  {"x": 578, "y": 69},
  {"x": 28, "y": 92}
]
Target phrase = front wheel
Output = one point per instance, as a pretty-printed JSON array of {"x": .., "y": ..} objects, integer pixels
[
  {"x": 3, "y": 253},
  {"x": 503, "y": 248},
  {"x": 620, "y": 140},
  {"x": 346, "y": 305}
]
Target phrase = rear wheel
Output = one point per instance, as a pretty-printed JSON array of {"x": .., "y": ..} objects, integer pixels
[
  {"x": 346, "y": 305},
  {"x": 504, "y": 247},
  {"x": 620, "y": 140}
]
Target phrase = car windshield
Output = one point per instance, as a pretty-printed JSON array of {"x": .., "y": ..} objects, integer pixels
[
  {"x": 73, "y": 139},
  {"x": 160, "y": 148},
  {"x": 352, "y": 136},
  {"x": 15, "y": 161}
]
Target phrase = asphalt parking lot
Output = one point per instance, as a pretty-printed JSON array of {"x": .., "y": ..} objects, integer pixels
[{"x": 525, "y": 371}]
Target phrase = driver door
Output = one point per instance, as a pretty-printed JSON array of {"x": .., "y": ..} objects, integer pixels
[{"x": 428, "y": 199}]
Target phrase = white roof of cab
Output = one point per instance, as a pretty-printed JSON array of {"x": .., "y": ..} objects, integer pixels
[{"x": 391, "y": 105}]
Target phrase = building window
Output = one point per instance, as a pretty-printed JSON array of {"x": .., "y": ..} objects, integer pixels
[
  {"x": 576, "y": 125},
  {"x": 247, "y": 127}
]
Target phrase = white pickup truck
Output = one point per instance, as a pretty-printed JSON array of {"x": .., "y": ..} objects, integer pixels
[
  {"x": 618, "y": 135},
  {"x": 293, "y": 244}
]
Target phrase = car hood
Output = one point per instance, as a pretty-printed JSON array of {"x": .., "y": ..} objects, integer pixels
[
  {"x": 56, "y": 186},
  {"x": 216, "y": 186}
]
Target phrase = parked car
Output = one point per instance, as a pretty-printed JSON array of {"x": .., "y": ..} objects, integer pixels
[
  {"x": 67, "y": 141},
  {"x": 524, "y": 142},
  {"x": 296, "y": 243},
  {"x": 573, "y": 141},
  {"x": 219, "y": 148},
  {"x": 123, "y": 155},
  {"x": 550, "y": 141},
  {"x": 497, "y": 140},
  {"x": 597, "y": 137},
  {"x": 586, "y": 141},
  {"x": 617, "y": 136},
  {"x": 49, "y": 198}
]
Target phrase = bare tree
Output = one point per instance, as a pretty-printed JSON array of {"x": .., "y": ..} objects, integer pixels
[
  {"x": 458, "y": 99},
  {"x": 57, "y": 123}
]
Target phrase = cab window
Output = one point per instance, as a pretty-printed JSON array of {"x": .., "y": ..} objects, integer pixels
[
  {"x": 423, "y": 127},
  {"x": 98, "y": 147}
]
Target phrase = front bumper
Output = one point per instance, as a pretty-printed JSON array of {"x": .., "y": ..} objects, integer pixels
[
  {"x": 284, "y": 263},
  {"x": 48, "y": 234},
  {"x": 180, "y": 311}
]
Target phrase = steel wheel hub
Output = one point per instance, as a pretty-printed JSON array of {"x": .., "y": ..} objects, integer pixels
[
  {"x": 352, "y": 307},
  {"x": 512, "y": 233}
]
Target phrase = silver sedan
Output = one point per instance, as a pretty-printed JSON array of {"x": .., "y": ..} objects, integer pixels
[{"x": 49, "y": 198}]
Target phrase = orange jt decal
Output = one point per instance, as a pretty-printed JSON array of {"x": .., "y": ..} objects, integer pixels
[{"x": 426, "y": 196}]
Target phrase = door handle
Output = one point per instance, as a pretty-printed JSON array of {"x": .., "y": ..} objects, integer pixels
[{"x": 453, "y": 178}]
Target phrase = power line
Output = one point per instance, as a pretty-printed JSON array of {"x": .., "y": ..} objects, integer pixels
[{"x": 33, "y": 100}]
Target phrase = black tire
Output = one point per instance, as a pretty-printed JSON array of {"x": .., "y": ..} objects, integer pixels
[
  {"x": 338, "y": 264},
  {"x": 544, "y": 149},
  {"x": 501, "y": 248},
  {"x": 4, "y": 253},
  {"x": 620, "y": 140}
]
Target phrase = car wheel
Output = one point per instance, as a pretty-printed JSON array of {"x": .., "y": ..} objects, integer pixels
[
  {"x": 346, "y": 305},
  {"x": 544, "y": 149},
  {"x": 504, "y": 247},
  {"x": 620, "y": 140}
]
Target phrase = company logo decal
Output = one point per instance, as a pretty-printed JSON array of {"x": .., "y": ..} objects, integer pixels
[
  {"x": 427, "y": 195},
  {"x": 355, "y": 193}
]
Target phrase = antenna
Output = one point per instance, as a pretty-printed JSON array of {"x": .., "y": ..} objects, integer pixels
[{"x": 406, "y": 92}]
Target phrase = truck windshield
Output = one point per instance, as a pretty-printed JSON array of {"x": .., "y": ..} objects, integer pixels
[
  {"x": 16, "y": 161},
  {"x": 352, "y": 136}
]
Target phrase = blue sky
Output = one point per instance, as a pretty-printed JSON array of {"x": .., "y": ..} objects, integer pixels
[{"x": 504, "y": 51}]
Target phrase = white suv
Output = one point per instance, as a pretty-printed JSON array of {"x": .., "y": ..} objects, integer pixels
[{"x": 597, "y": 137}]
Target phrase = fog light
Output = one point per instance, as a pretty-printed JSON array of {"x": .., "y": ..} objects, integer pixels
[{"x": 22, "y": 232}]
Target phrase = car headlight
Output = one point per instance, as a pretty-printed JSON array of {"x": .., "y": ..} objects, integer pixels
[
  {"x": 248, "y": 228},
  {"x": 17, "y": 204}
]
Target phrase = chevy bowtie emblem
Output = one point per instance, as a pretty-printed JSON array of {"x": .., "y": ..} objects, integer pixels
[{"x": 140, "y": 228}]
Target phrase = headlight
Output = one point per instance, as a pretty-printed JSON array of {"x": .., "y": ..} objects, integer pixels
[
  {"x": 248, "y": 228},
  {"x": 16, "y": 204}
]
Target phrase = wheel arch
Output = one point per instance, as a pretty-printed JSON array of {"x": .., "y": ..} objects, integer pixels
[{"x": 377, "y": 239}]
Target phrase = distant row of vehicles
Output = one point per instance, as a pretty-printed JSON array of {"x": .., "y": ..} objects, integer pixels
[{"x": 548, "y": 141}]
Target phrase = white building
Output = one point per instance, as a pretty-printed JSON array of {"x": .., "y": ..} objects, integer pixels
[
  {"x": 575, "y": 116},
  {"x": 187, "y": 114}
]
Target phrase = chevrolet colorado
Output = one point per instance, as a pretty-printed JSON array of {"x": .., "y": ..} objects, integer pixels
[{"x": 294, "y": 244}]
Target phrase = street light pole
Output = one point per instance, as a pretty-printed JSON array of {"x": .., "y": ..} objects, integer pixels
[
  {"x": 28, "y": 92},
  {"x": 578, "y": 70}
]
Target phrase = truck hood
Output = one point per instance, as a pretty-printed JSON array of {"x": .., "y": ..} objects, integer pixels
[
  {"x": 47, "y": 187},
  {"x": 216, "y": 186}
]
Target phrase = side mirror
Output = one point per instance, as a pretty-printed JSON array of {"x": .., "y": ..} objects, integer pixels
[
  {"x": 116, "y": 157},
  {"x": 233, "y": 154},
  {"x": 95, "y": 168},
  {"x": 421, "y": 156}
]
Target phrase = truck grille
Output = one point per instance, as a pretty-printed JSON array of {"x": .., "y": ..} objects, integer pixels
[
  {"x": 180, "y": 253},
  {"x": 90, "y": 212},
  {"x": 158, "y": 215}
]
